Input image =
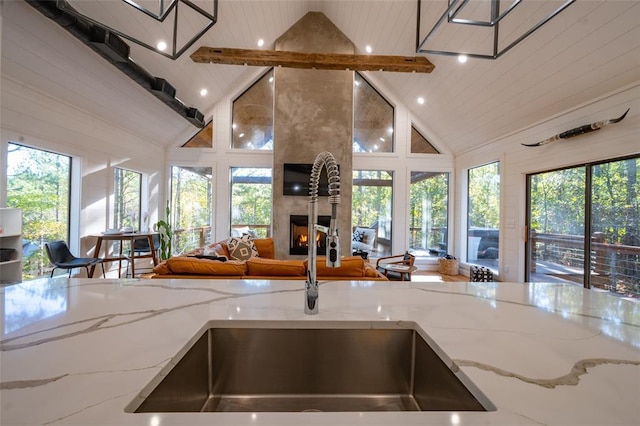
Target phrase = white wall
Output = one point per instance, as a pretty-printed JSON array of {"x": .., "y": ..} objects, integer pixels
[
  {"x": 41, "y": 63},
  {"x": 516, "y": 161},
  {"x": 33, "y": 119}
]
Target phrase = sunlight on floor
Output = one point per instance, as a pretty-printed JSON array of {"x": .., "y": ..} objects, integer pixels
[{"x": 427, "y": 278}]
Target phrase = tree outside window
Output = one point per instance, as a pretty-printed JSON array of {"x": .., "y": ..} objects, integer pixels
[
  {"x": 590, "y": 209},
  {"x": 126, "y": 207},
  {"x": 483, "y": 215},
  {"x": 372, "y": 200},
  {"x": 39, "y": 183},
  {"x": 428, "y": 213},
  {"x": 251, "y": 195},
  {"x": 191, "y": 207}
]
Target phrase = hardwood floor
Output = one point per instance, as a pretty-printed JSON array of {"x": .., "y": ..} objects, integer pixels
[{"x": 435, "y": 276}]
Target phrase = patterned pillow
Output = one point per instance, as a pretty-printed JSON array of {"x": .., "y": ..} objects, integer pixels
[
  {"x": 242, "y": 248},
  {"x": 358, "y": 236}
]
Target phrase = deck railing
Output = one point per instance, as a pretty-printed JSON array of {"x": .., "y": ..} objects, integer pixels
[
  {"x": 190, "y": 238},
  {"x": 614, "y": 267}
]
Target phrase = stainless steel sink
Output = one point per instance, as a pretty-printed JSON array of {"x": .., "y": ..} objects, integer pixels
[{"x": 310, "y": 366}]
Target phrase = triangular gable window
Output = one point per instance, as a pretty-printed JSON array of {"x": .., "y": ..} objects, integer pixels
[
  {"x": 202, "y": 139},
  {"x": 372, "y": 119},
  {"x": 420, "y": 144}
]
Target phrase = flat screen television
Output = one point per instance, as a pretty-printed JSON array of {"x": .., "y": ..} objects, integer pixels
[{"x": 296, "y": 180}]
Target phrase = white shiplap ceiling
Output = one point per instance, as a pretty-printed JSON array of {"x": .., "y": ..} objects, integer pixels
[{"x": 589, "y": 50}]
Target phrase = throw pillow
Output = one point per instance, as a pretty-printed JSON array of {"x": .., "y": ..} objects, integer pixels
[
  {"x": 358, "y": 236},
  {"x": 242, "y": 248}
]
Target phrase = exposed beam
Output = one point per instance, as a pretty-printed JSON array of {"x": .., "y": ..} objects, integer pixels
[{"x": 321, "y": 61}]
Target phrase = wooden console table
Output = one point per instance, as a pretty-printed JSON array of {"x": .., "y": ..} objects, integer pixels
[{"x": 122, "y": 237}]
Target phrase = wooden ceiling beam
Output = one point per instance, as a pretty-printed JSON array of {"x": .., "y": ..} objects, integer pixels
[{"x": 320, "y": 61}]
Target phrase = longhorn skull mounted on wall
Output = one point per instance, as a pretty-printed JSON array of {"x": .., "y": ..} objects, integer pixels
[{"x": 587, "y": 128}]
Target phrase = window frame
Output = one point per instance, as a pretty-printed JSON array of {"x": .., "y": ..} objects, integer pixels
[
  {"x": 258, "y": 80},
  {"x": 138, "y": 214},
  {"x": 388, "y": 240},
  {"x": 206, "y": 228},
  {"x": 74, "y": 177},
  {"x": 393, "y": 118},
  {"x": 269, "y": 226},
  {"x": 447, "y": 216},
  {"x": 494, "y": 266},
  {"x": 588, "y": 226}
]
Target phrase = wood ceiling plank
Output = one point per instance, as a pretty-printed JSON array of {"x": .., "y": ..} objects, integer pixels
[{"x": 325, "y": 61}]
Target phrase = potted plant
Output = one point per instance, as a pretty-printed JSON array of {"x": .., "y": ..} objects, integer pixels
[{"x": 166, "y": 234}]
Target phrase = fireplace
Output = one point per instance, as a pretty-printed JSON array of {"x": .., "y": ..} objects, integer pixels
[{"x": 298, "y": 238}]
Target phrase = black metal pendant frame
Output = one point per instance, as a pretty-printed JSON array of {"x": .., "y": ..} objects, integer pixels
[
  {"x": 451, "y": 16},
  {"x": 173, "y": 6}
]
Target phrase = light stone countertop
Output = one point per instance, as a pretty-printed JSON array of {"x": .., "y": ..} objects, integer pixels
[{"x": 77, "y": 352}]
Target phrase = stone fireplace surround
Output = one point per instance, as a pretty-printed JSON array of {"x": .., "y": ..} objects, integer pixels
[{"x": 313, "y": 112}]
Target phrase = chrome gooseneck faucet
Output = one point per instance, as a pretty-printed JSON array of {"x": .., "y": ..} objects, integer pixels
[{"x": 324, "y": 159}]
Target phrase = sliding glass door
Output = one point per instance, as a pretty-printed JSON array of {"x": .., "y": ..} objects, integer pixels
[
  {"x": 598, "y": 201},
  {"x": 557, "y": 226},
  {"x": 615, "y": 226}
]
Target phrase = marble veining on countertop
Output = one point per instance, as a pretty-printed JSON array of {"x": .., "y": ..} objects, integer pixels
[{"x": 76, "y": 352}]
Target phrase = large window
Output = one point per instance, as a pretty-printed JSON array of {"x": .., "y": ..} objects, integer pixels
[
  {"x": 39, "y": 183},
  {"x": 599, "y": 198},
  {"x": 251, "y": 195},
  {"x": 252, "y": 111},
  {"x": 428, "y": 213},
  {"x": 372, "y": 202},
  {"x": 126, "y": 207},
  {"x": 483, "y": 215},
  {"x": 191, "y": 204},
  {"x": 372, "y": 119}
]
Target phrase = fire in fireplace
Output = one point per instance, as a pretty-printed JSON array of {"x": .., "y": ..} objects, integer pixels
[{"x": 299, "y": 238}]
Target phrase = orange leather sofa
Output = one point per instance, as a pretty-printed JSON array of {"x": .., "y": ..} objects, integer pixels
[{"x": 262, "y": 267}]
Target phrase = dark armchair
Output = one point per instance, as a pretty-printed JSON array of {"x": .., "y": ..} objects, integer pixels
[
  {"x": 60, "y": 257},
  {"x": 141, "y": 246}
]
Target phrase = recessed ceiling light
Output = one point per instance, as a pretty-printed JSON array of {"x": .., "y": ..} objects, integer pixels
[
  {"x": 260, "y": 43},
  {"x": 161, "y": 45},
  {"x": 421, "y": 100},
  {"x": 369, "y": 49},
  {"x": 203, "y": 92},
  {"x": 462, "y": 58}
]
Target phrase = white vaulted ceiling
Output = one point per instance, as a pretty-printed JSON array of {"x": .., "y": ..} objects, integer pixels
[{"x": 589, "y": 50}]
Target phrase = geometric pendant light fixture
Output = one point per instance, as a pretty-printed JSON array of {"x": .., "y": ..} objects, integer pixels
[
  {"x": 484, "y": 29},
  {"x": 175, "y": 24}
]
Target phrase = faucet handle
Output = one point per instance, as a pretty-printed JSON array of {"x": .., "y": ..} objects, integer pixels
[{"x": 333, "y": 251}]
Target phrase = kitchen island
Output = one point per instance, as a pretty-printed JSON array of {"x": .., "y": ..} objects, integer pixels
[{"x": 79, "y": 351}]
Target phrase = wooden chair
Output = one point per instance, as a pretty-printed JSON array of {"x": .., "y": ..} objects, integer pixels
[
  {"x": 406, "y": 259},
  {"x": 60, "y": 257}
]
